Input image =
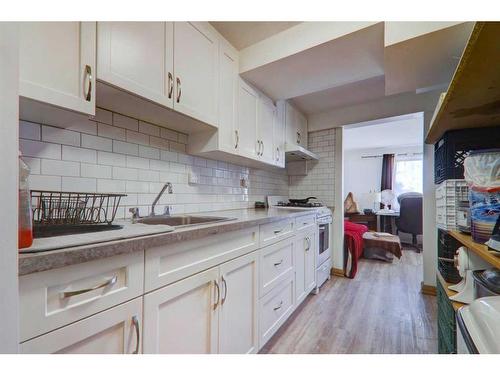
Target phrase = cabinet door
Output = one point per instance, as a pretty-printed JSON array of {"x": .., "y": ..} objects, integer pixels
[
  {"x": 279, "y": 138},
  {"x": 304, "y": 248},
  {"x": 196, "y": 56},
  {"x": 228, "y": 90},
  {"x": 137, "y": 57},
  {"x": 114, "y": 331},
  {"x": 183, "y": 317},
  {"x": 302, "y": 129},
  {"x": 247, "y": 120},
  {"x": 266, "y": 117},
  {"x": 57, "y": 63},
  {"x": 238, "y": 317}
]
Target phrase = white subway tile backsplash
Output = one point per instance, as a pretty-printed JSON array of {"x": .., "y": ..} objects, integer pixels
[
  {"x": 96, "y": 171},
  {"x": 109, "y": 158},
  {"x": 79, "y": 154},
  {"x": 120, "y": 173},
  {"x": 109, "y": 131},
  {"x": 168, "y": 134},
  {"x": 149, "y": 152},
  {"x": 29, "y": 130},
  {"x": 135, "y": 162},
  {"x": 97, "y": 143},
  {"x": 136, "y": 137},
  {"x": 125, "y": 148},
  {"x": 158, "y": 142},
  {"x": 57, "y": 135},
  {"x": 136, "y": 158},
  {"x": 150, "y": 129},
  {"x": 60, "y": 168},
  {"x": 41, "y": 182},
  {"x": 79, "y": 184},
  {"x": 125, "y": 122},
  {"x": 40, "y": 149}
]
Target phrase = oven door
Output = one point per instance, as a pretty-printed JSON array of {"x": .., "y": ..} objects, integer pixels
[{"x": 324, "y": 243}]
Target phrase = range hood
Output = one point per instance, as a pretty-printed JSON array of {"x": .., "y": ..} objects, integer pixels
[{"x": 296, "y": 153}]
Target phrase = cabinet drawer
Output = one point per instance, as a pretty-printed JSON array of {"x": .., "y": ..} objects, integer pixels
[
  {"x": 305, "y": 222},
  {"x": 275, "y": 308},
  {"x": 276, "y": 265},
  {"x": 275, "y": 231},
  {"x": 54, "y": 298},
  {"x": 169, "y": 263},
  {"x": 114, "y": 331}
]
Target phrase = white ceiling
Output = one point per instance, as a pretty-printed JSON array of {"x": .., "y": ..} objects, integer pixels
[
  {"x": 351, "y": 58},
  {"x": 244, "y": 34},
  {"x": 398, "y": 131}
]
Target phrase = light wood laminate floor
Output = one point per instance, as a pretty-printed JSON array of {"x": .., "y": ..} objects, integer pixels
[{"x": 380, "y": 311}]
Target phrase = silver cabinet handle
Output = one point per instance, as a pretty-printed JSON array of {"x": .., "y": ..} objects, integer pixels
[
  {"x": 237, "y": 134},
  {"x": 170, "y": 85},
  {"x": 279, "y": 306},
  {"x": 135, "y": 323},
  {"x": 298, "y": 137},
  {"x": 107, "y": 283},
  {"x": 262, "y": 152},
  {"x": 88, "y": 74},
  {"x": 225, "y": 290},
  {"x": 308, "y": 240},
  {"x": 179, "y": 90},
  {"x": 277, "y": 231},
  {"x": 218, "y": 294},
  {"x": 277, "y": 154},
  {"x": 277, "y": 264}
]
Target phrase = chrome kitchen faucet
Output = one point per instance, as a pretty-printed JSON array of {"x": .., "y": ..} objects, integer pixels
[{"x": 166, "y": 212}]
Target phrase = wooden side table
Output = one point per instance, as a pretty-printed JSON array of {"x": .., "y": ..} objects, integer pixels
[{"x": 369, "y": 220}]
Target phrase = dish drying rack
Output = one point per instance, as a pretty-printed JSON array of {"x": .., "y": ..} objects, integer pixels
[{"x": 55, "y": 208}]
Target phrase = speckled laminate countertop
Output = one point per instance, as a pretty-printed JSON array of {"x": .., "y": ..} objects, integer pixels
[{"x": 73, "y": 249}]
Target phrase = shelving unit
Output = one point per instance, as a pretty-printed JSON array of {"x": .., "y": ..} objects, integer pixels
[
  {"x": 449, "y": 293},
  {"x": 479, "y": 249},
  {"x": 473, "y": 96}
]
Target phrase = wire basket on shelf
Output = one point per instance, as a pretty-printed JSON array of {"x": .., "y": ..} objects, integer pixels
[{"x": 72, "y": 208}]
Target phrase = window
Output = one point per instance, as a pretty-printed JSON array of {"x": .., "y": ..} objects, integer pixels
[{"x": 407, "y": 176}]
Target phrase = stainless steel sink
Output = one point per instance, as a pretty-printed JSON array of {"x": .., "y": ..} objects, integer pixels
[{"x": 181, "y": 220}]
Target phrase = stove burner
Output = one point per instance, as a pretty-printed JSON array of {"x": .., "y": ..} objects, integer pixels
[{"x": 305, "y": 205}]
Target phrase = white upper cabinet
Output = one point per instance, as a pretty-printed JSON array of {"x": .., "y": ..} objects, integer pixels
[
  {"x": 296, "y": 126},
  {"x": 228, "y": 90},
  {"x": 138, "y": 57},
  {"x": 57, "y": 63},
  {"x": 246, "y": 126},
  {"x": 238, "y": 318},
  {"x": 265, "y": 138},
  {"x": 279, "y": 139},
  {"x": 196, "y": 57}
]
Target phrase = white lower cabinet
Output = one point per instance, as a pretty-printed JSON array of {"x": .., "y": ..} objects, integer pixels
[
  {"x": 114, "y": 331},
  {"x": 214, "y": 311},
  {"x": 304, "y": 249},
  {"x": 238, "y": 317},
  {"x": 183, "y": 317}
]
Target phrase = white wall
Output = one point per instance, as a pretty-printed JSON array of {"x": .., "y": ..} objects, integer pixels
[
  {"x": 338, "y": 215},
  {"x": 362, "y": 175},
  {"x": 8, "y": 188},
  {"x": 429, "y": 211}
]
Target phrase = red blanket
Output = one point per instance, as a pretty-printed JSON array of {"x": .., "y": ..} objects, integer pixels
[{"x": 353, "y": 243}]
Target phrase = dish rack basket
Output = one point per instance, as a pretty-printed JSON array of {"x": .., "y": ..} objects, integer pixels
[{"x": 72, "y": 208}]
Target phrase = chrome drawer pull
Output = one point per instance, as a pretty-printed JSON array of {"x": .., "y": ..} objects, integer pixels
[
  {"x": 308, "y": 243},
  {"x": 179, "y": 90},
  {"x": 279, "y": 263},
  {"x": 170, "y": 85},
  {"x": 218, "y": 294},
  {"x": 237, "y": 138},
  {"x": 279, "y": 306},
  {"x": 135, "y": 323},
  {"x": 110, "y": 282},
  {"x": 278, "y": 231}
]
